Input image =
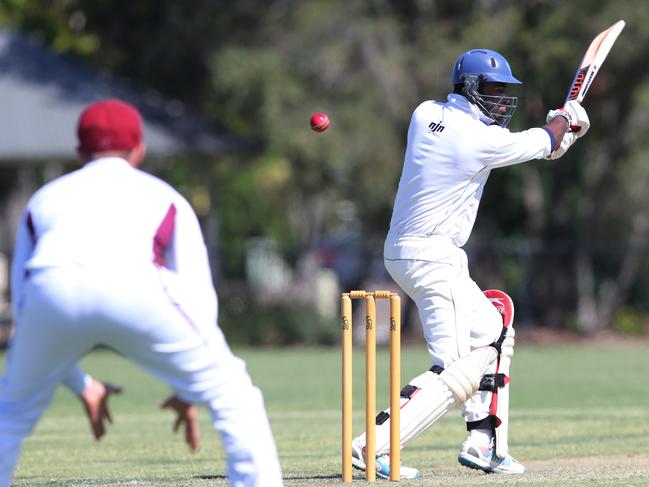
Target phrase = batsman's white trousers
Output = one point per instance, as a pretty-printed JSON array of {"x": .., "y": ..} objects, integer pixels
[
  {"x": 455, "y": 315},
  {"x": 68, "y": 311}
]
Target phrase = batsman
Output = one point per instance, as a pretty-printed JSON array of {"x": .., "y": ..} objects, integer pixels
[{"x": 452, "y": 148}]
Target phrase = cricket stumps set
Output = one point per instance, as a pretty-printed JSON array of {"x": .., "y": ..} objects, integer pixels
[{"x": 370, "y": 381}]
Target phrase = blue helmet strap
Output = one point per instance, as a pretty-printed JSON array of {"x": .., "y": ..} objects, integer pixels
[{"x": 498, "y": 108}]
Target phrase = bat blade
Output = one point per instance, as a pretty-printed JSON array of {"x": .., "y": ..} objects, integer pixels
[{"x": 592, "y": 60}]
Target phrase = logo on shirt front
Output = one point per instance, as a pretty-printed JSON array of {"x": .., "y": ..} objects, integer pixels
[{"x": 436, "y": 127}]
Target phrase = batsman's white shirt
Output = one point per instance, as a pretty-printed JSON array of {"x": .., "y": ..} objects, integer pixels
[
  {"x": 449, "y": 156},
  {"x": 451, "y": 151},
  {"x": 110, "y": 255}
]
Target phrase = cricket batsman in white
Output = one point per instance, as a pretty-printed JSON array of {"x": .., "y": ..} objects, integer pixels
[
  {"x": 110, "y": 255},
  {"x": 452, "y": 148}
]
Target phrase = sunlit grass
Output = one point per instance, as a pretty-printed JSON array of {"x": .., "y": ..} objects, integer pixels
[{"x": 579, "y": 417}]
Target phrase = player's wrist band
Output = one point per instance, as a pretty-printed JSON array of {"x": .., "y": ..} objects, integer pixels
[{"x": 553, "y": 140}]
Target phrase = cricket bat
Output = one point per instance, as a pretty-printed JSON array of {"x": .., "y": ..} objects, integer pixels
[{"x": 593, "y": 59}]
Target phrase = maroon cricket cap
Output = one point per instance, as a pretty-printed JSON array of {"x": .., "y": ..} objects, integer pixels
[{"x": 109, "y": 125}]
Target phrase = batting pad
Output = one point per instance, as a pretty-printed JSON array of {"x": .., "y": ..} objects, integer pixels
[
  {"x": 430, "y": 396},
  {"x": 499, "y": 408}
]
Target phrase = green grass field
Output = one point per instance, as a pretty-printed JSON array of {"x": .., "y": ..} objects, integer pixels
[{"x": 580, "y": 416}]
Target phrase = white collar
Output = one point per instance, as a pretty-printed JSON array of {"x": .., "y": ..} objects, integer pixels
[
  {"x": 108, "y": 160},
  {"x": 462, "y": 103}
]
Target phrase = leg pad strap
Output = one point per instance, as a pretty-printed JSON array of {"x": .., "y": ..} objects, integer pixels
[{"x": 431, "y": 395}]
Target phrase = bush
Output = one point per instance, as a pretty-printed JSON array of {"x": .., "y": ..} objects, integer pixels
[
  {"x": 246, "y": 322},
  {"x": 630, "y": 322}
]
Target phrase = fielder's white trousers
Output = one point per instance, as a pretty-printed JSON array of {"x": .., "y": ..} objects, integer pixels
[
  {"x": 455, "y": 315},
  {"x": 68, "y": 311}
]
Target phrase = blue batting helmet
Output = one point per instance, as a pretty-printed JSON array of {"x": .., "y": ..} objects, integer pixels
[{"x": 488, "y": 65}]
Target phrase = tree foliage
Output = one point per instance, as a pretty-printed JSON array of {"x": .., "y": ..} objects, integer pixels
[{"x": 569, "y": 236}]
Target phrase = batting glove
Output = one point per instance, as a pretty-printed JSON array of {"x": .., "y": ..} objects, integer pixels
[
  {"x": 567, "y": 141},
  {"x": 576, "y": 116}
]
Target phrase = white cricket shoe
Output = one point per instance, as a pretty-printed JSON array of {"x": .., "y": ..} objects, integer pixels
[
  {"x": 483, "y": 457},
  {"x": 382, "y": 464}
]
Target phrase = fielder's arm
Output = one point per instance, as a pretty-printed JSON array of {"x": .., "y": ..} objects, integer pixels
[
  {"x": 187, "y": 257},
  {"x": 76, "y": 380},
  {"x": 23, "y": 250},
  {"x": 95, "y": 401},
  {"x": 186, "y": 416}
]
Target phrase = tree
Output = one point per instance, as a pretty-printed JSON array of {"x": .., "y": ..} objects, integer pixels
[{"x": 566, "y": 237}]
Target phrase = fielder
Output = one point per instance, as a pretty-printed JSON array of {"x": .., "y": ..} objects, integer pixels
[
  {"x": 452, "y": 147},
  {"x": 111, "y": 255}
]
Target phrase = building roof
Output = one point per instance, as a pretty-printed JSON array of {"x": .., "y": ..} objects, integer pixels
[{"x": 43, "y": 94}]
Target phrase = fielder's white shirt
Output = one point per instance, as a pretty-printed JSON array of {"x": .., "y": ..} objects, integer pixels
[
  {"x": 139, "y": 224},
  {"x": 133, "y": 223},
  {"x": 451, "y": 151}
]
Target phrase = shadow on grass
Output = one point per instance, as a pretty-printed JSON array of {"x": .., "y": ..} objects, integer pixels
[
  {"x": 286, "y": 477},
  {"x": 311, "y": 477}
]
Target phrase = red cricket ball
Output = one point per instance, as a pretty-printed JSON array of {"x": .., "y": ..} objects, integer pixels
[{"x": 319, "y": 122}]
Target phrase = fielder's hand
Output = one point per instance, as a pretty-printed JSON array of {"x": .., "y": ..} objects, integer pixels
[
  {"x": 95, "y": 400},
  {"x": 576, "y": 116},
  {"x": 187, "y": 415}
]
